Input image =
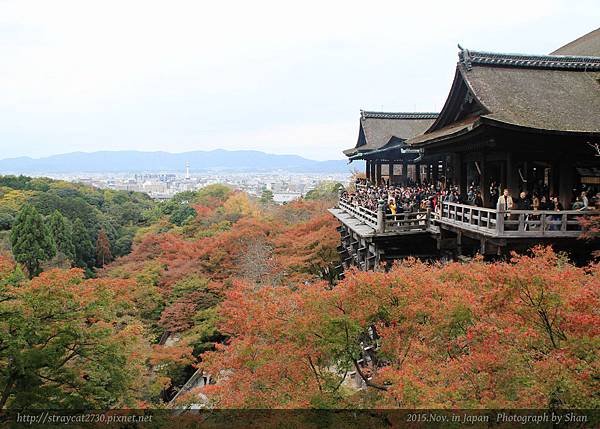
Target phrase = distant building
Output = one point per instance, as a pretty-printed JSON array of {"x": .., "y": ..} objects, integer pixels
[{"x": 286, "y": 197}]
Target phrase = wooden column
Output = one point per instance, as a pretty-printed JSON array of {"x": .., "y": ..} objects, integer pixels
[
  {"x": 417, "y": 172},
  {"x": 391, "y": 172},
  {"x": 554, "y": 178},
  {"x": 501, "y": 183},
  {"x": 368, "y": 169},
  {"x": 512, "y": 177},
  {"x": 483, "y": 182},
  {"x": 435, "y": 172},
  {"x": 404, "y": 180},
  {"x": 459, "y": 178},
  {"x": 377, "y": 173},
  {"x": 566, "y": 180},
  {"x": 527, "y": 186}
]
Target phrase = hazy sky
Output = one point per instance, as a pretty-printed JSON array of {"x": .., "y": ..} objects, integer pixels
[{"x": 278, "y": 76}]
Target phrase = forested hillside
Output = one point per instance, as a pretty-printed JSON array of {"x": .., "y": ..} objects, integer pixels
[
  {"x": 246, "y": 292},
  {"x": 96, "y": 333},
  {"x": 79, "y": 216}
]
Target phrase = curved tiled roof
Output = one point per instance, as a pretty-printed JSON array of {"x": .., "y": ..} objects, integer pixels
[
  {"x": 549, "y": 99},
  {"x": 378, "y": 128},
  {"x": 550, "y": 93},
  {"x": 553, "y": 62},
  {"x": 398, "y": 115}
]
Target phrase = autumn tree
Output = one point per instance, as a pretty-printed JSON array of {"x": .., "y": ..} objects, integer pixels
[
  {"x": 31, "y": 241},
  {"x": 103, "y": 253},
  {"x": 61, "y": 346},
  {"x": 517, "y": 334},
  {"x": 591, "y": 230}
]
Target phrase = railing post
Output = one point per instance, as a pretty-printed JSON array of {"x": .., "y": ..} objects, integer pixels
[
  {"x": 499, "y": 222},
  {"x": 521, "y": 226},
  {"x": 543, "y": 222},
  {"x": 340, "y": 193},
  {"x": 428, "y": 218},
  {"x": 381, "y": 216}
]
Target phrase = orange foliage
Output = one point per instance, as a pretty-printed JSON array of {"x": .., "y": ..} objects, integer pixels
[{"x": 491, "y": 335}]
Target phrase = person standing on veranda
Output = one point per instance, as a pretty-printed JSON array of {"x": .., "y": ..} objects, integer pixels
[{"x": 505, "y": 202}]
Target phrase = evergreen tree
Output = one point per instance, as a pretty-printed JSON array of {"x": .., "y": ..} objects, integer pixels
[
  {"x": 103, "y": 254},
  {"x": 84, "y": 247},
  {"x": 266, "y": 197},
  {"x": 62, "y": 234},
  {"x": 31, "y": 240}
]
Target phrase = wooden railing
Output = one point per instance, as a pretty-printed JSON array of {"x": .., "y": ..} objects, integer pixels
[
  {"x": 515, "y": 223},
  {"x": 489, "y": 222},
  {"x": 363, "y": 214},
  {"x": 382, "y": 222},
  {"x": 407, "y": 222}
]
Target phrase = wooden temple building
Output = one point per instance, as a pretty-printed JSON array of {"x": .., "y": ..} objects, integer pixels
[
  {"x": 382, "y": 145},
  {"x": 522, "y": 122}
]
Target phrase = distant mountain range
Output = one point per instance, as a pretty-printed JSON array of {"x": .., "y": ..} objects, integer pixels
[{"x": 125, "y": 161}]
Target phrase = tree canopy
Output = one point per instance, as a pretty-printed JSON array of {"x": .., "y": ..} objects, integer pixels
[{"x": 31, "y": 240}]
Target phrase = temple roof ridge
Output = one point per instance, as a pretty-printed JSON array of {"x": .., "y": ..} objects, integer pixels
[
  {"x": 468, "y": 58},
  {"x": 368, "y": 114}
]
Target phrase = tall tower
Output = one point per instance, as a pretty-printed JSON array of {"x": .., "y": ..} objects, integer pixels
[{"x": 187, "y": 170}]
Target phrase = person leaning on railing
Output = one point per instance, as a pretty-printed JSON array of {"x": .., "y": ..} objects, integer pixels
[{"x": 557, "y": 207}]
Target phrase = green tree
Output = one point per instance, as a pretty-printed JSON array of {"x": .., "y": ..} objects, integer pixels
[
  {"x": 62, "y": 234},
  {"x": 84, "y": 247},
  {"x": 324, "y": 191},
  {"x": 6, "y": 220},
  {"x": 103, "y": 253},
  {"x": 182, "y": 214},
  {"x": 31, "y": 241},
  {"x": 63, "y": 349},
  {"x": 266, "y": 197}
]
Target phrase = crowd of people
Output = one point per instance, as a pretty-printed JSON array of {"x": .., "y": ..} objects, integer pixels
[
  {"x": 420, "y": 197},
  {"x": 400, "y": 199}
]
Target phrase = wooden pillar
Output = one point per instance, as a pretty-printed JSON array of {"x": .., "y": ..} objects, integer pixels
[
  {"x": 483, "y": 182},
  {"x": 527, "y": 186},
  {"x": 459, "y": 174},
  {"x": 368, "y": 169},
  {"x": 502, "y": 183},
  {"x": 566, "y": 180},
  {"x": 418, "y": 172},
  {"x": 377, "y": 173},
  {"x": 554, "y": 183},
  {"x": 404, "y": 180},
  {"x": 512, "y": 177},
  {"x": 391, "y": 172},
  {"x": 436, "y": 169}
]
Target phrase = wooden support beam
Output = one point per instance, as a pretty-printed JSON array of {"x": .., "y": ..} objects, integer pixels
[{"x": 483, "y": 179}]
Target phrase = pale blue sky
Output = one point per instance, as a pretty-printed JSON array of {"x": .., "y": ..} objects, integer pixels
[{"x": 277, "y": 76}]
